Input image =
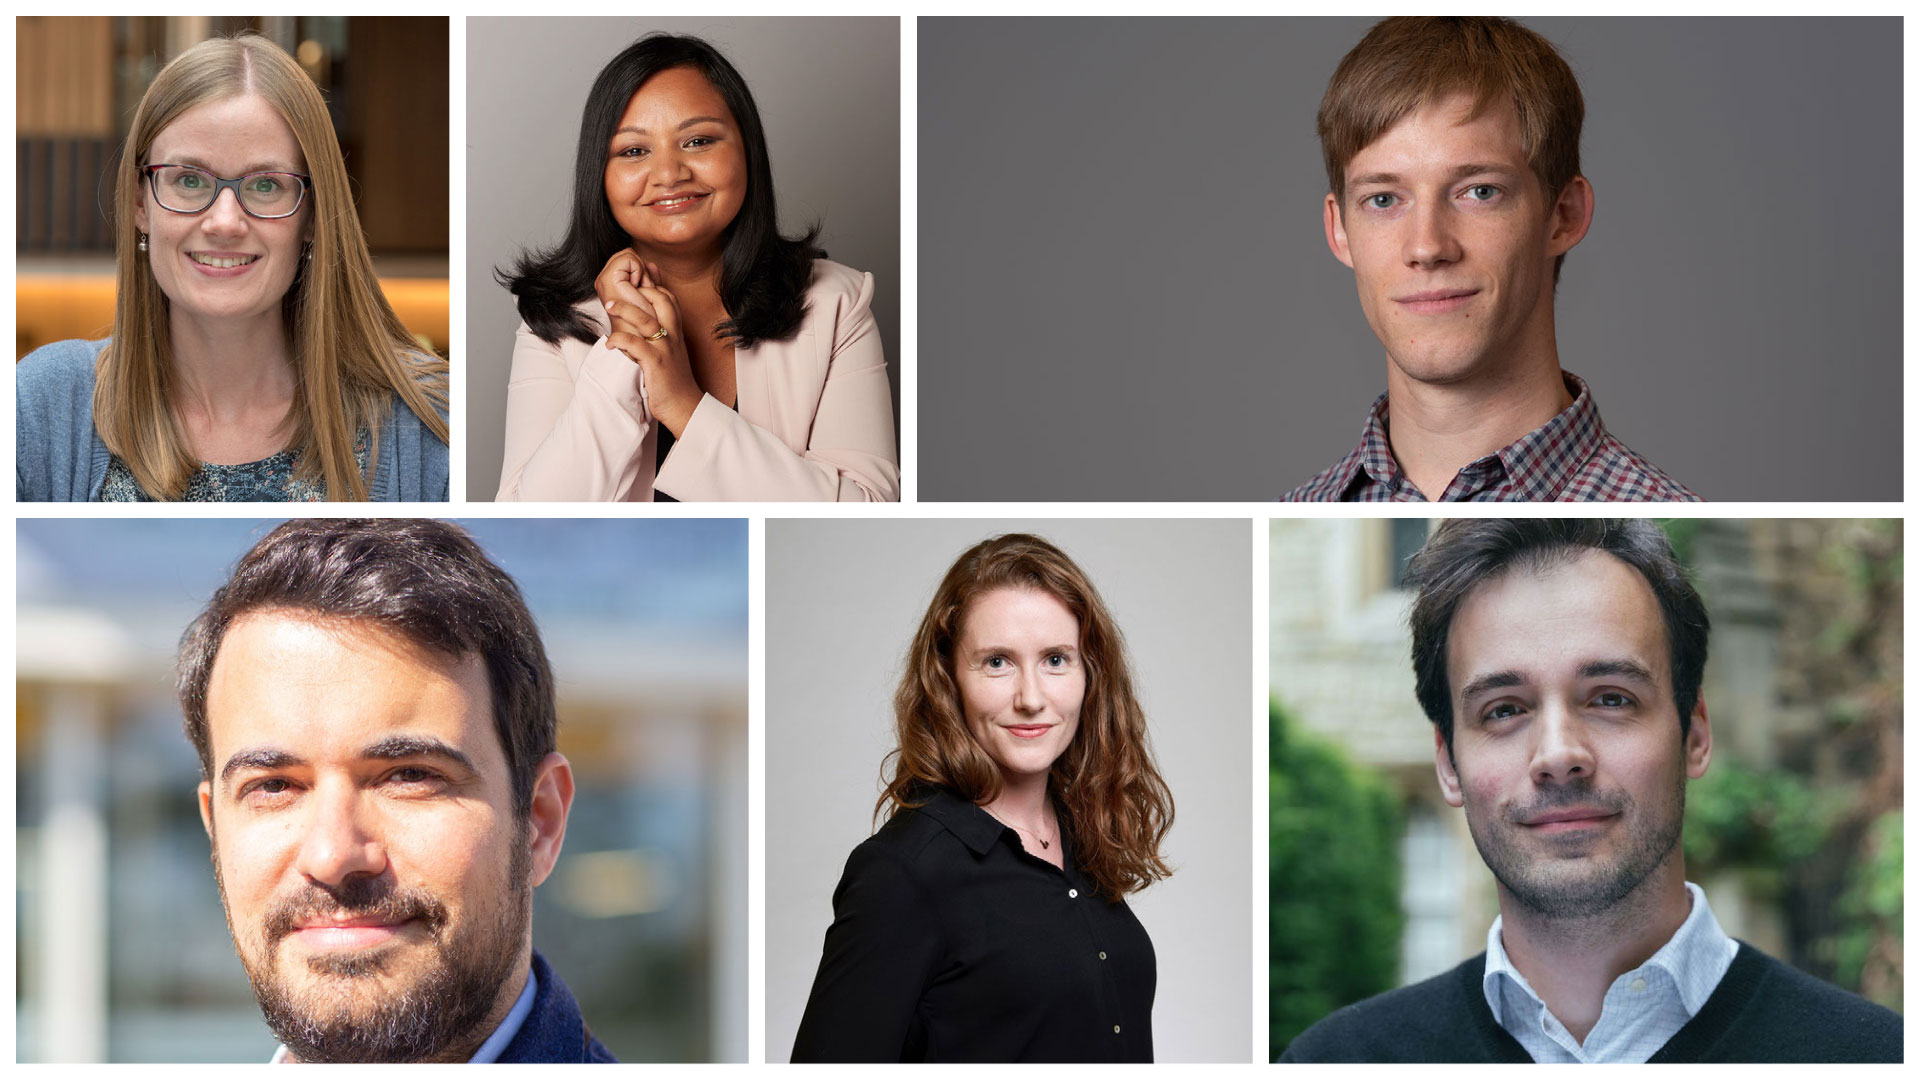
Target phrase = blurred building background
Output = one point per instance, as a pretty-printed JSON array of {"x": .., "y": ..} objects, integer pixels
[
  {"x": 1795, "y": 831},
  {"x": 122, "y": 950},
  {"x": 80, "y": 78}
]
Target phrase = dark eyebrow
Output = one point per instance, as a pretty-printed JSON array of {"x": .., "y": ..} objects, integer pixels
[
  {"x": 391, "y": 748},
  {"x": 684, "y": 125},
  {"x": 395, "y": 747},
  {"x": 1627, "y": 669},
  {"x": 259, "y": 758},
  {"x": 1497, "y": 680}
]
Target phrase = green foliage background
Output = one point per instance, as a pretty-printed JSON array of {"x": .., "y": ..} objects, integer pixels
[{"x": 1334, "y": 918}]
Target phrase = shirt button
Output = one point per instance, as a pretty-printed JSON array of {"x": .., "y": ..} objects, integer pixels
[
  {"x": 1103, "y": 956},
  {"x": 1073, "y": 894},
  {"x": 1116, "y": 1029},
  {"x": 1637, "y": 985}
]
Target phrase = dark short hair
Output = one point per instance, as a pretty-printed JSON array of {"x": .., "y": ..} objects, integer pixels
[
  {"x": 1465, "y": 553},
  {"x": 764, "y": 276},
  {"x": 424, "y": 580}
]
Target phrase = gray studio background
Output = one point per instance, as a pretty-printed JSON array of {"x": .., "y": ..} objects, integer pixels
[
  {"x": 843, "y": 601},
  {"x": 1122, "y": 218},
  {"x": 829, "y": 98}
]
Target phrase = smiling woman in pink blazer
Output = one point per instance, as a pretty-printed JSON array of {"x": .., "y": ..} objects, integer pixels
[{"x": 675, "y": 346}]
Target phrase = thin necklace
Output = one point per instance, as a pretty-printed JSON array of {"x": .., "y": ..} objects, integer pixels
[{"x": 1045, "y": 845}]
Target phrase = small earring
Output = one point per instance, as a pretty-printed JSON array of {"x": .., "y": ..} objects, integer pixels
[
  {"x": 309, "y": 253},
  {"x": 143, "y": 241}
]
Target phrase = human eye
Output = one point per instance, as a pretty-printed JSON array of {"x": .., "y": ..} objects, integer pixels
[
  {"x": 265, "y": 183},
  {"x": 1379, "y": 201},
  {"x": 996, "y": 662},
  {"x": 1058, "y": 661},
  {"x": 414, "y": 780},
  {"x": 699, "y": 141},
  {"x": 1613, "y": 699},
  {"x": 267, "y": 792},
  {"x": 1483, "y": 192},
  {"x": 631, "y": 153},
  {"x": 1503, "y": 710},
  {"x": 189, "y": 180}
]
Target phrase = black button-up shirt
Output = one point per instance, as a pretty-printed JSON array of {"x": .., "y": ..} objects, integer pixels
[{"x": 950, "y": 943}]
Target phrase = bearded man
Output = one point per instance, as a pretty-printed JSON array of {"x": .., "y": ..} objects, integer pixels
[{"x": 374, "y": 715}]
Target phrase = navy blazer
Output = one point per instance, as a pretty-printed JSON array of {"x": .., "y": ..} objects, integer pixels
[{"x": 554, "y": 1031}]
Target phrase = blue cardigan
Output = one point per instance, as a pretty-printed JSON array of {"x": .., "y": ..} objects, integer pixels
[{"x": 59, "y": 456}]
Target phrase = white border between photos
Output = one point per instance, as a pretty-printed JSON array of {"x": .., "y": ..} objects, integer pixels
[{"x": 1258, "y": 515}]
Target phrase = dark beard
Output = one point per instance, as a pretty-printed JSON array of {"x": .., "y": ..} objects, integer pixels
[
  {"x": 1557, "y": 896},
  {"x": 438, "y": 1012}
]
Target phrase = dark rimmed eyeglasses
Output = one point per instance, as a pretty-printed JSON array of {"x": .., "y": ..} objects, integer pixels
[{"x": 184, "y": 189}]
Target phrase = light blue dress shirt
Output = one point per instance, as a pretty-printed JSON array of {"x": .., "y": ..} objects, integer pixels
[
  {"x": 1643, "y": 1009},
  {"x": 496, "y": 1043}
]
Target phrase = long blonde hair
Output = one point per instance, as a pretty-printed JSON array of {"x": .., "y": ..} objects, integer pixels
[
  {"x": 1118, "y": 809},
  {"x": 351, "y": 353}
]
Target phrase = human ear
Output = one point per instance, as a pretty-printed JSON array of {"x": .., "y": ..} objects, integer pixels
[
  {"x": 1336, "y": 231},
  {"x": 547, "y": 820},
  {"x": 1572, "y": 215},
  {"x": 1699, "y": 746},
  {"x": 206, "y": 807},
  {"x": 1443, "y": 766}
]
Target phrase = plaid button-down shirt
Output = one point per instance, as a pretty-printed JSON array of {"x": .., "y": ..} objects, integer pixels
[{"x": 1570, "y": 458}]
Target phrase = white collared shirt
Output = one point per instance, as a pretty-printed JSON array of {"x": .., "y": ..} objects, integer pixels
[
  {"x": 490, "y": 1050},
  {"x": 1643, "y": 1009}
]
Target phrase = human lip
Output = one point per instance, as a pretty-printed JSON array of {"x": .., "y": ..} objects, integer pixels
[
  {"x": 1436, "y": 301},
  {"x": 222, "y": 263},
  {"x": 355, "y": 933},
  {"x": 1566, "y": 820},
  {"x": 677, "y": 202},
  {"x": 1028, "y": 731}
]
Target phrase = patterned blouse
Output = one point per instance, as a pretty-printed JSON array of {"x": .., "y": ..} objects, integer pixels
[{"x": 271, "y": 479}]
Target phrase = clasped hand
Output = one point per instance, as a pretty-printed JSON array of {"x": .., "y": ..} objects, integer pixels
[{"x": 639, "y": 308}]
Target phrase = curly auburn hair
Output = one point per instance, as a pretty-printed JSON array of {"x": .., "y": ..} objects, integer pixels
[{"x": 1111, "y": 797}]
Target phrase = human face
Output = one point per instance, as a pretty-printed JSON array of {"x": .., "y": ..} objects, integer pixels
[
  {"x": 1452, "y": 240},
  {"x": 376, "y": 879},
  {"x": 676, "y": 165},
  {"x": 1566, "y": 747},
  {"x": 230, "y": 137},
  {"x": 1021, "y": 678}
]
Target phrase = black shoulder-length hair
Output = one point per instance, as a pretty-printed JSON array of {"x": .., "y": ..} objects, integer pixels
[{"x": 763, "y": 275}]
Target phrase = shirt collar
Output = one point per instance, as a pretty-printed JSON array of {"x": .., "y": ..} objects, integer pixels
[
  {"x": 496, "y": 1043},
  {"x": 489, "y": 1051},
  {"x": 1695, "y": 958},
  {"x": 973, "y": 826},
  {"x": 1538, "y": 465}
]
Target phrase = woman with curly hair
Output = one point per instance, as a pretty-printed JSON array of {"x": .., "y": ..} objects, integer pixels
[{"x": 985, "y": 921}]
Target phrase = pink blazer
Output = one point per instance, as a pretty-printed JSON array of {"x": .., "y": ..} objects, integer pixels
[{"x": 815, "y": 417}]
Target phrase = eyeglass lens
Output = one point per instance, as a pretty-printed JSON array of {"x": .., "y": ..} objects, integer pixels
[{"x": 187, "y": 190}]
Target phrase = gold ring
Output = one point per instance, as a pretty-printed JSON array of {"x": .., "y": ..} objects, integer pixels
[{"x": 656, "y": 335}]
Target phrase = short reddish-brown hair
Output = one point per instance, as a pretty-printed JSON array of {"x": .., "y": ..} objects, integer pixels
[{"x": 1405, "y": 64}]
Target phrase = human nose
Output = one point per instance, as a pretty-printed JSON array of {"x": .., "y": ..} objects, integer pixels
[
  {"x": 1026, "y": 692},
  {"x": 1562, "y": 751},
  {"x": 670, "y": 167},
  {"x": 1432, "y": 241},
  {"x": 341, "y": 841},
  {"x": 225, "y": 215}
]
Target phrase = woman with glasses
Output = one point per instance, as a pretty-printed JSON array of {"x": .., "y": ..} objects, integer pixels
[
  {"x": 675, "y": 346},
  {"x": 253, "y": 356}
]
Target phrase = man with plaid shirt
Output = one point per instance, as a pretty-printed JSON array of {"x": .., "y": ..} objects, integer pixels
[{"x": 1452, "y": 148}]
